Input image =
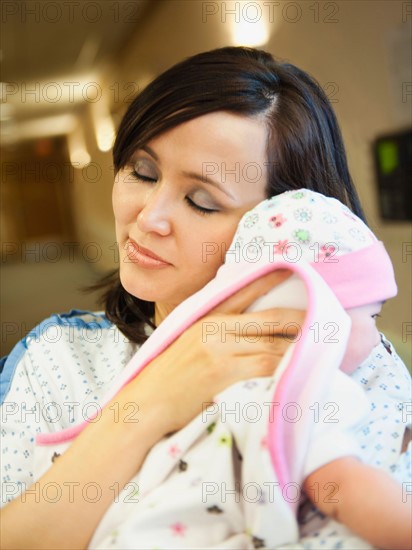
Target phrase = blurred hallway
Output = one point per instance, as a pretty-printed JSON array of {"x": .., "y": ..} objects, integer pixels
[{"x": 69, "y": 72}]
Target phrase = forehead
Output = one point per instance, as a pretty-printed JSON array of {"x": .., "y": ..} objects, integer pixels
[
  {"x": 225, "y": 147},
  {"x": 217, "y": 135}
]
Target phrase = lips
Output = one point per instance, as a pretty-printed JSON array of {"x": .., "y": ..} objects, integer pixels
[{"x": 144, "y": 257}]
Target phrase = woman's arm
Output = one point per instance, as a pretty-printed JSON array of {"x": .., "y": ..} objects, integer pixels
[
  {"x": 106, "y": 453},
  {"x": 169, "y": 393},
  {"x": 365, "y": 499}
]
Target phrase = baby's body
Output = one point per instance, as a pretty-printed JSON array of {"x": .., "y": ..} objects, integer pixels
[
  {"x": 302, "y": 225},
  {"x": 194, "y": 467},
  {"x": 352, "y": 492}
]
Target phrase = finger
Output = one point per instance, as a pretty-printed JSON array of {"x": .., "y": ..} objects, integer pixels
[
  {"x": 257, "y": 365},
  {"x": 271, "y": 322},
  {"x": 227, "y": 346},
  {"x": 247, "y": 295}
]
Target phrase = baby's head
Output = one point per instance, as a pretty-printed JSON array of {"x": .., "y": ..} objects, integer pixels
[{"x": 305, "y": 226}]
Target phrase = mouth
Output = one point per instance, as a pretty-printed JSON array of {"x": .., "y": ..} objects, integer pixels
[{"x": 144, "y": 257}]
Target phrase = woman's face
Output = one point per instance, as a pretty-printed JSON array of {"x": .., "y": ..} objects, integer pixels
[{"x": 179, "y": 200}]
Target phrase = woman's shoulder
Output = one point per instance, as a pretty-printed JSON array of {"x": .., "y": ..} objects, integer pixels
[
  {"x": 82, "y": 341},
  {"x": 74, "y": 327}
]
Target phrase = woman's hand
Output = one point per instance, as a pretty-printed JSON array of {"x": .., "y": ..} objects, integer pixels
[
  {"x": 214, "y": 353},
  {"x": 217, "y": 351}
]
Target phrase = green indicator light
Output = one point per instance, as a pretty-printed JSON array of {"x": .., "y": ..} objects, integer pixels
[{"x": 388, "y": 156}]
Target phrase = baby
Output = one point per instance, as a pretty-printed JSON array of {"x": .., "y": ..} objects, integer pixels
[
  {"x": 304, "y": 226},
  {"x": 188, "y": 486}
]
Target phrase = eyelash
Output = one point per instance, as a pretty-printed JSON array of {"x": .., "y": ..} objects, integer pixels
[
  {"x": 193, "y": 205},
  {"x": 199, "y": 209},
  {"x": 376, "y": 315}
]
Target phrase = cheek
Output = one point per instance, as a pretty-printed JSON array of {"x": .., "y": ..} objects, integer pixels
[
  {"x": 207, "y": 254},
  {"x": 371, "y": 334},
  {"x": 363, "y": 338},
  {"x": 125, "y": 208},
  {"x": 216, "y": 245},
  {"x": 116, "y": 201},
  {"x": 377, "y": 337},
  {"x": 205, "y": 257}
]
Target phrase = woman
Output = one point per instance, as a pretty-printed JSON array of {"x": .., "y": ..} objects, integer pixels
[{"x": 200, "y": 146}]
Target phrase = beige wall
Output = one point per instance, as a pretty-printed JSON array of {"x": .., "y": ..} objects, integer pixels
[
  {"x": 346, "y": 49},
  {"x": 92, "y": 187}
]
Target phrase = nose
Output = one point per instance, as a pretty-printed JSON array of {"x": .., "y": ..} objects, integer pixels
[{"x": 155, "y": 214}]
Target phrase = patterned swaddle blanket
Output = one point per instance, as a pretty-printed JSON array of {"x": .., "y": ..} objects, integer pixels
[{"x": 232, "y": 477}]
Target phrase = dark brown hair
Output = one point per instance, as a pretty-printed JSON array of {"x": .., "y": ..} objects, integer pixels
[{"x": 304, "y": 149}]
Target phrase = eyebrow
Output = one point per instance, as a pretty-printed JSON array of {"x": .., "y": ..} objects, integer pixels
[{"x": 193, "y": 175}]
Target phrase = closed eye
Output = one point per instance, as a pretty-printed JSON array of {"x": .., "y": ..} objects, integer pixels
[
  {"x": 142, "y": 177},
  {"x": 198, "y": 208}
]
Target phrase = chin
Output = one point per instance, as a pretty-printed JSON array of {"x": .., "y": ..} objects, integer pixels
[
  {"x": 348, "y": 367},
  {"x": 142, "y": 290},
  {"x": 147, "y": 288}
]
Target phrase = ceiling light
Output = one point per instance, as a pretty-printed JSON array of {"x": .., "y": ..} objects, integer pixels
[
  {"x": 103, "y": 124},
  {"x": 79, "y": 156},
  {"x": 249, "y": 23}
]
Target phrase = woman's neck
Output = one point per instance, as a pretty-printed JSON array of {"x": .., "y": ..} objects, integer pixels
[{"x": 161, "y": 312}]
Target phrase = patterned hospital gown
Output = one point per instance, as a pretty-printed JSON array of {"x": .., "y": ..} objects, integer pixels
[{"x": 85, "y": 348}]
